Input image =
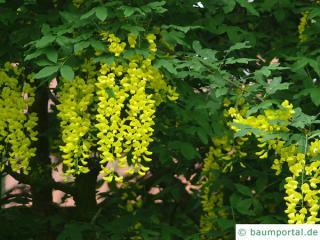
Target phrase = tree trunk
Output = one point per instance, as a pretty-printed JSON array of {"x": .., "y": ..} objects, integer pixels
[
  {"x": 41, "y": 176},
  {"x": 85, "y": 195}
]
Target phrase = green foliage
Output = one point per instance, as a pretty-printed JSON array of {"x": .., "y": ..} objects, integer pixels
[{"x": 212, "y": 53}]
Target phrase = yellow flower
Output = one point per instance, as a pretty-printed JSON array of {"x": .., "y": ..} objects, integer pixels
[
  {"x": 17, "y": 123},
  {"x": 132, "y": 40}
]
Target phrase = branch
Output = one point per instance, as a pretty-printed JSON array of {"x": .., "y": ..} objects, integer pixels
[
  {"x": 25, "y": 179},
  {"x": 20, "y": 177},
  {"x": 64, "y": 187}
]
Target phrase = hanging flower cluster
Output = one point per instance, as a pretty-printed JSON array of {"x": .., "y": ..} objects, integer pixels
[
  {"x": 219, "y": 157},
  {"x": 271, "y": 121},
  {"x": 125, "y": 117},
  {"x": 76, "y": 123},
  {"x": 132, "y": 40},
  {"x": 302, "y": 189},
  {"x": 222, "y": 156},
  {"x": 116, "y": 46},
  {"x": 17, "y": 124},
  {"x": 151, "y": 40},
  {"x": 302, "y": 186},
  {"x": 118, "y": 104},
  {"x": 302, "y": 26},
  {"x": 306, "y": 20}
]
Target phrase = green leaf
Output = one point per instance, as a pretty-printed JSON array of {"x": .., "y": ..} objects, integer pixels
[
  {"x": 202, "y": 135},
  {"x": 98, "y": 45},
  {"x": 128, "y": 11},
  {"x": 63, "y": 41},
  {"x": 110, "y": 93},
  {"x": 166, "y": 64},
  {"x": 67, "y": 72},
  {"x": 233, "y": 60},
  {"x": 315, "y": 66},
  {"x": 102, "y": 13},
  {"x": 263, "y": 105},
  {"x": 45, "y": 41},
  {"x": 267, "y": 70},
  {"x": 133, "y": 29},
  {"x": 69, "y": 17},
  {"x": 196, "y": 46},
  {"x": 315, "y": 96},
  {"x": 225, "y": 223},
  {"x": 42, "y": 62},
  {"x": 314, "y": 134},
  {"x": 301, "y": 120},
  {"x": 45, "y": 29},
  {"x": 276, "y": 85},
  {"x": 245, "y": 129},
  {"x": 78, "y": 47},
  {"x": 183, "y": 29},
  {"x": 234, "y": 198},
  {"x": 300, "y": 63},
  {"x": 221, "y": 91},
  {"x": 46, "y": 72},
  {"x": 248, "y": 6},
  {"x": 229, "y": 5},
  {"x": 52, "y": 55},
  {"x": 33, "y": 55},
  {"x": 185, "y": 148},
  {"x": 238, "y": 46},
  {"x": 261, "y": 183},
  {"x": 244, "y": 206},
  {"x": 257, "y": 206},
  {"x": 174, "y": 37},
  {"x": 243, "y": 190},
  {"x": 88, "y": 14},
  {"x": 73, "y": 231},
  {"x": 154, "y": 7}
]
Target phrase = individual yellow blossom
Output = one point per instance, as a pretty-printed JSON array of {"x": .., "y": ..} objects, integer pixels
[
  {"x": 104, "y": 35},
  {"x": 314, "y": 148},
  {"x": 132, "y": 40},
  {"x": 151, "y": 40},
  {"x": 77, "y": 3}
]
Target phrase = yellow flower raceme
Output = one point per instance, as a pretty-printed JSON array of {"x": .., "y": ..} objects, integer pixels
[
  {"x": 125, "y": 118},
  {"x": 219, "y": 157},
  {"x": 302, "y": 192},
  {"x": 271, "y": 121},
  {"x": 116, "y": 46},
  {"x": 302, "y": 25},
  {"x": 132, "y": 40},
  {"x": 17, "y": 124},
  {"x": 75, "y": 98},
  {"x": 122, "y": 100},
  {"x": 151, "y": 40}
]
